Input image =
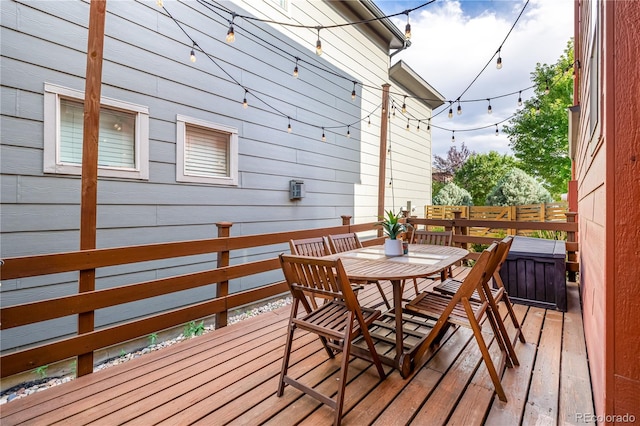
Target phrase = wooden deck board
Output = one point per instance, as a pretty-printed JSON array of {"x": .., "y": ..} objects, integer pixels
[
  {"x": 230, "y": 376},
  {"x": 516, "y": 380},
  {"x": 574, "y": 370},
  {"x": 542, "y": 405}
]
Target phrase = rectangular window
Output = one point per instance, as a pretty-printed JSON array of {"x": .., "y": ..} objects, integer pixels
[
  {"x": 123, "y": 142},
  {"x": 206, "y": 152},
  {"x": 282, "y": 4}
]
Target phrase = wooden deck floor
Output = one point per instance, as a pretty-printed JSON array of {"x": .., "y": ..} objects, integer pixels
[{"x": 230, "y": 376}]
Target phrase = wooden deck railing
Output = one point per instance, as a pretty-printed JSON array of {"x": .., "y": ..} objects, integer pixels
[{"x": 83, "y": 345}]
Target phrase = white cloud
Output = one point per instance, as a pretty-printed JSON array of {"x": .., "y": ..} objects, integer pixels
[{"x": 450, "y": 46}]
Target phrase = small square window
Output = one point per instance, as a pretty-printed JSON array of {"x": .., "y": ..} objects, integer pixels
[
  {"x": 122, "y": 139},
  {"x": 206, "y": 152}
]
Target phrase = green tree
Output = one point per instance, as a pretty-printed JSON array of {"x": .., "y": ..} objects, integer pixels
[
  {"x": 538, "y": 134},
  {"x": 481, "y": 172},
  {"x": 515, "y": 188},
  {"x": 452, "y": 195}
]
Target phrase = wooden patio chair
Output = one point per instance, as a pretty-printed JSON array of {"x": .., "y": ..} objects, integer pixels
[
  {"x": 438, "y": 238},
  {"x": 316, "y": 247},
  {"x": 460, "y": 310},
  {"x": 498, "y": 291},
  {"x": 337, "y": 322},
  {"x": 344, "y": 242}
]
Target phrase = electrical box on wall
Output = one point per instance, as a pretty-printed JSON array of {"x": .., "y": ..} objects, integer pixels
[{"x": 296, "y": 189}]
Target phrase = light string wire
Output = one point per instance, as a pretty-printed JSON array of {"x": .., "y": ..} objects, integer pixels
[
  {"x": 322, "y": 27},
  {"x": 488, "y": 62},
  {"x": 249, "y": 91},
  {"x": 275, "y": 49}
]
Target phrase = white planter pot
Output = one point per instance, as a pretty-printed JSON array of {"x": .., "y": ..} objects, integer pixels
[{"x": 393, "y": 247}]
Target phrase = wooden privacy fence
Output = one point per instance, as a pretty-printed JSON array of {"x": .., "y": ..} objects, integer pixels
[
  {"x": 545, "y": 212},
  {"x": 84, "y": 343}
]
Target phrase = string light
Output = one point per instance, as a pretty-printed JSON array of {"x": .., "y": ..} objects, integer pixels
[
  {"x": 368, "y": 121},
  {"x": 459, "y": 108},
  {"x": 231, "y": 35},
  {"x": 324, "y": 138},
  {"x": 295, "y": 70},
  {"x": 404, "y": 105},
  {"x": 489, "y": 110},
  {"x": 520, "y": 98},
  {"x": 391, "y": 182},
  {"x": 244, "y": 101},
  {"x": 318, "y": 44},
  {"x": 353, "y": 92},
  {"x": 546, "y": 89},
  {"x": 383, "y": 109},
  {"x": 348, "y": 131},
  {"x": 407, "y": 28},
  {"x": 538, "y": 109},
  {"x": 453, "y": 136},
  {"x": 408, "y": 125},
  {"x": 450, "y": 111},
  {"x": 159, "y": 3},
  {"x": 429, "y": 125},
  {"x": 418, "y": 127},
  {"x": 499, "y": 61},
  {"x": 497, "y": 130}
]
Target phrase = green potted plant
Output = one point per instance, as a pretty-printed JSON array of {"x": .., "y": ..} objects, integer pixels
[{"x": 392, "y": 228}]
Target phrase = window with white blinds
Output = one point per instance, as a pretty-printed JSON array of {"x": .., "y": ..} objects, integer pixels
[
  {"x": 123, "y": 136},
  {"x": 116, "y": 137},
  {"x": 206, "y": 152}
]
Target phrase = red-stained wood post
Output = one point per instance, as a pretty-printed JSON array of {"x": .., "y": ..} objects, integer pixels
[
  {"x": 89, "y": 197},
  {"x": 222, "y": 288},
  {"x": 382, "y": 165},
  {"x": 571, "y": 238},
  {"x": 346, "y": 220},
  {"x": 460, "y": 230}
]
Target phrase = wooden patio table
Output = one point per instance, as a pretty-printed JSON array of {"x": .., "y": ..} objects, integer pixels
[{"x": 370, "y": 264}]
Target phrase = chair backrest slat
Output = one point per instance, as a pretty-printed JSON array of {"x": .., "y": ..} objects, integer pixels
[
  {"x": 320, "y": 276},
  {"x": 317, "y": 247},
  {"x": 438, "y": 238},
  {"x": 480, "y": 273},
  {"x": 344, "y": 242}
]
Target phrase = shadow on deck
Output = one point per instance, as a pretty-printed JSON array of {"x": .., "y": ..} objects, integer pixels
[{"x": 230, "y": 377}]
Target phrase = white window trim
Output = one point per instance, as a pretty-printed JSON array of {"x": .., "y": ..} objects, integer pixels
[
  {"x": 181, "y": 132},
  {"x": 52, "y": 94}
]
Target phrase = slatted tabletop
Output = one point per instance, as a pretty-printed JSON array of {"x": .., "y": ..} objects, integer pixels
[{"x": 370, "y": 263}]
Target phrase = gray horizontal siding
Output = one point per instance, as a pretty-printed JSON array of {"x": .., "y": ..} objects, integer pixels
[{"x": 146, "y": 63}]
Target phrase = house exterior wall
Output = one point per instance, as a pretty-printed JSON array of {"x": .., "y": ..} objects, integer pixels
[
  {"x": 146, "y": 62},
  {"x": 608, "y": 176},
  {"x": 352, "y": 50}
]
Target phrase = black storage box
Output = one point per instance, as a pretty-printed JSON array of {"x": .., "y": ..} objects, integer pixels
[{"x": 534, "y": 273}]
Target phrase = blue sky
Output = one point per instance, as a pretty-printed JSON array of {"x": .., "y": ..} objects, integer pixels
[{"x": 452, "y": 40}]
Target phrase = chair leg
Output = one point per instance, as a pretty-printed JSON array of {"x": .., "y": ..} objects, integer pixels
[
  {"x": 415, "y": 286},
  {"x": 344, "y": 365},
  {"x": 384, "y": 297},
  {"x": 513, "y": 317},
  {"x": 501, "y": 335},
  {"x": 477, "y": 332},
  {"x": 503, "y": 331},
  {"x": 285, "y": 359}
]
